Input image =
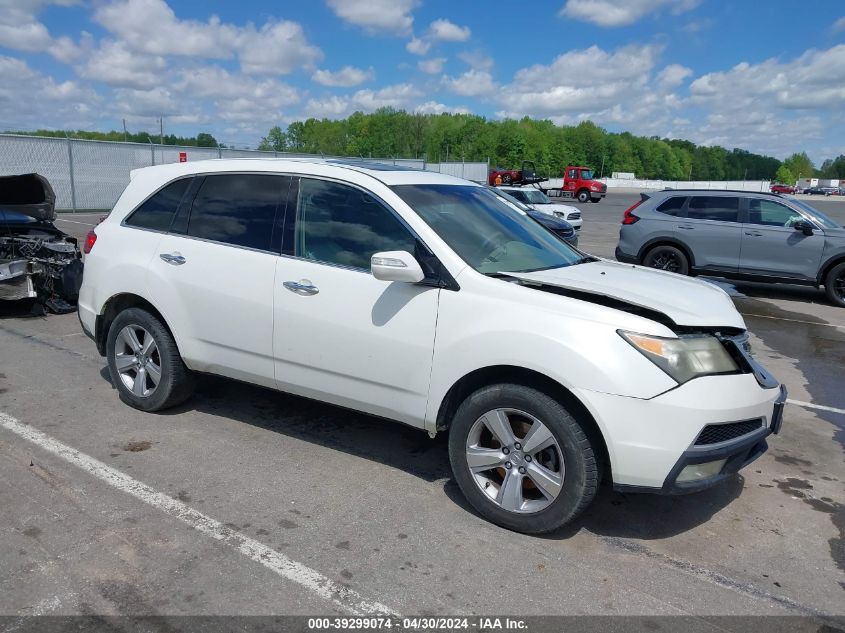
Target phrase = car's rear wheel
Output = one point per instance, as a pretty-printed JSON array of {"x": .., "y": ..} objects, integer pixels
[
  {"x": 834, "y": 285},
  {"x": 506, "y": 179},
  {"x": 521, "y": 459},
  {"x": 667, "y": 258},
  {"x": 144, "y": 362},
  {"x": 583, "y": 195}
]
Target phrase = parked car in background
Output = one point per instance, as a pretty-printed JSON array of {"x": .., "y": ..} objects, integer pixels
[
  {"x": 539, "y": 201},
  {"x": 37, "y": 261},
  {"x": 561, "y": 228},
  {"x": 820, "y": 191},
  {"x": 788, "y": 189},
  {"x": 736, "y": 234},
  {"x": 427, "y": 299},
  {"x": 525, "y": 176}
]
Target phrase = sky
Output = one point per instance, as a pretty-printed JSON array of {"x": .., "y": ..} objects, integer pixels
[{"x": 767, "y": 76}]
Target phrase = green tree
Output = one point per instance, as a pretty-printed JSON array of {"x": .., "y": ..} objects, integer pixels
[
  {"x": 785, "y": 176},
  {"x": 800, "y": 165}
]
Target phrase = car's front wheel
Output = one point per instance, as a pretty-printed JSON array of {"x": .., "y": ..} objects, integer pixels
[
  {"x": 521, "y": 459},
  {"x": 669, "y": 258},
  {"x": 144, "y": 362},
  {"x": 834, "y": 285},
  {"x": 583, "y": 196}
]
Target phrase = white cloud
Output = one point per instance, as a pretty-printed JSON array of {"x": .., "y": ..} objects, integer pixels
[
  {"x": 673, "y": 75},
  {"x": 376, "y": 16},
  {"x": 418, "y": 46},
  {"x": 473, "y": 83},
  {"x": 395, "y": 96},
  {"x": 839, "y": 25},
  {"x": 432, "y": 66},
  {"x": 333, "y": 107},
  {"x": 20, "y": 28},
  {"x": 151, "y": 26},
  {"x": 612, "y": 13},
  {"x": 114, "y": 64},
  {"x": 447, "y": 31},
  {"x": 65, "y": 104},
  {"x": 476, "y": 59},
  {"x": 346, "y": 77},
  {"x": 433, "y": 107}
]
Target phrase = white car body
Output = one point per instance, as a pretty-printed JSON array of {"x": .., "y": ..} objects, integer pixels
[
  {"x": 567, "y": 212},
  {"x": 396, "y": 349}
]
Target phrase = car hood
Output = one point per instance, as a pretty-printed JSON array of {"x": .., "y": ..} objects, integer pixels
[
  {"x": 554, "y": 207},
  {"x": 28, "y": 194},
  {"x": 686, "y": 301}
]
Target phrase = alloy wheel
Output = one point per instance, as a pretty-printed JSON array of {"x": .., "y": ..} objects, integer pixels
[
  {"x": 515, "y": 460},
  {"x": 137, "y": 360},
  {"x": 666, "y": 260}
]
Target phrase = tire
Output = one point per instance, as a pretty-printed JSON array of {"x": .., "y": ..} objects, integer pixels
[
  {"x": 583, "y": 196},
  {"x": 506, "y": 179},
  {"x": 135, "y": 381},
  {"x": 834, "y": 285},
  {"x": 596, "y": 200},
  {"x": 668, "y": 258},
  {"x": 568, "y": 466}
]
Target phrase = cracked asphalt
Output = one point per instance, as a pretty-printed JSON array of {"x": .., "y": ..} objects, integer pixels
[{"x": 370, "y": 507}]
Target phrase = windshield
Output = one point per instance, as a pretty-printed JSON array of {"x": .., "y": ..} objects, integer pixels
[
  {"x": 487, "y": 233},
  {"x": 535, "y": 196},
  {"x": 817, "y": 215},
  {"x": 586, "y": 174}
]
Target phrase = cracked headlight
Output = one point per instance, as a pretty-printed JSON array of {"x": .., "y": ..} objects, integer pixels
[{"x": 685, "y": 357}]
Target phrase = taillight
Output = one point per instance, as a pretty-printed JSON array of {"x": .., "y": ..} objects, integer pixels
[
  {"x": 90, "y": 240},
  {"x": 628, "y": 217}
]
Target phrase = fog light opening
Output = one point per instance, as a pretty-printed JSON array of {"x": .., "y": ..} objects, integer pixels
[{"x": 695, "y": 472}]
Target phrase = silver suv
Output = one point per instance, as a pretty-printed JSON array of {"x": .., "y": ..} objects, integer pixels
[{"x": 735, "y": 234}]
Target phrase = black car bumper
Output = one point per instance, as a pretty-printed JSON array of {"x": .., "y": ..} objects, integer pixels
[
  {"x": 736, "y": 453},
  {"x": 624, "y": 257}
]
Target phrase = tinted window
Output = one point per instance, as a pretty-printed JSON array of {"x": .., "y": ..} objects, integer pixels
[
  {"x": 672, "y": 206},
  {"x": 769, "y": 213},
  {"x": 721, "y": 208},
  {"x": 237, "y": 209},
  {"x": 344, "y": 225},
  {"x": 157, "y": 211},
  {"x": 519, "y": 195}
]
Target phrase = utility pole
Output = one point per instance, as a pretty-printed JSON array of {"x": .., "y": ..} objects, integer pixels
[
  {"x": 602, "y": 167},
  {"x": 161, "y": 129},
  {"x": 124, "y": 130}
]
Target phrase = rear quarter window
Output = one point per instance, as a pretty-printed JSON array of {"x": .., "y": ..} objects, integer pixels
[
  {"x": 157, "y": 211},
  {"x": 672, "y": 206}
]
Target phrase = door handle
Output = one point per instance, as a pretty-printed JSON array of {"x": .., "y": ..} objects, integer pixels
[
  {"x": 174, "y": 258},
  {"x": 686, "y": 227},
  {"x": 753, "y": 234},
  {"x": 305, "y": 289}
]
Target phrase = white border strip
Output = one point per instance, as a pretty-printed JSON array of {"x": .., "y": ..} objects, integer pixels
[
  {"x": 75, "y": 222},
  {"x": 766, "y": 316},
  {"x": 278, "y": 563},
  {"x": 820, "y": 407}
]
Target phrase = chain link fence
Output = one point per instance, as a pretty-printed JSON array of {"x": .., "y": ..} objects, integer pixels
[{"x": 91, "y": 175}]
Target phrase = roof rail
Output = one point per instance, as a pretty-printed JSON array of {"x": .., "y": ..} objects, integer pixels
[{"x": 765, "y": 193}]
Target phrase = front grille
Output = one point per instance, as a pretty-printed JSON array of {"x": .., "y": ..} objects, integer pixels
[
  {"x": 716, "y": 433},
  {"x": 574, "y": 216}
]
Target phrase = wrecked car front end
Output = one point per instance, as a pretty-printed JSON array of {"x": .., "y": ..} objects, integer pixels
[{"x": 37, "y": 260}]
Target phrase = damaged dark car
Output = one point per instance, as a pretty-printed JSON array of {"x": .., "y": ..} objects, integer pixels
[{"x": 37, "y": 261}]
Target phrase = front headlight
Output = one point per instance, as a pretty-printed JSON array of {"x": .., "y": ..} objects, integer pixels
[{"x": 685, "y": 357}]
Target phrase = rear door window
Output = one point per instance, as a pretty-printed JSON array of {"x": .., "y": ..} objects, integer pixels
[
  {"x": 157, "y": 211},
  {"x": 237, "y": 209},
  {"x": 672, "y": 206},
  {"x": 719, "y": 208}
]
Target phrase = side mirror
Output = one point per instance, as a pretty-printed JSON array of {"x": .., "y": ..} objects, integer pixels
[
  {"x": 396, "y": 266},
  {"x": 805, "y": 227}
]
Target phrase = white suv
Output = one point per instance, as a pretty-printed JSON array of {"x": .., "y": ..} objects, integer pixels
[
  {"x": 539, "y": 201},
  {"x": 426, "y": 299}
]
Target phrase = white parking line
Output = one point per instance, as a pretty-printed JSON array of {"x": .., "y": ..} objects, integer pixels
[
  {"x": 765, "y": 316},
  {"x": 810, "y": 405},
  {"x": 276, "y": 562},
  {"x": 75, "y": 222}
]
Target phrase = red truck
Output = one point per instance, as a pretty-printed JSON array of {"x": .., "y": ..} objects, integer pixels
[{"x": 579, "y": 183}]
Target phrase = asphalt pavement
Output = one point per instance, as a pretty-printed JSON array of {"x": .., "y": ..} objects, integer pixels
[{"x": 248, "y": 501}]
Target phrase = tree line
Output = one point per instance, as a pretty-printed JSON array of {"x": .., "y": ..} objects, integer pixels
[
  {"x": 203, "y": 139},
  {"x": 390, "y": 132}
]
